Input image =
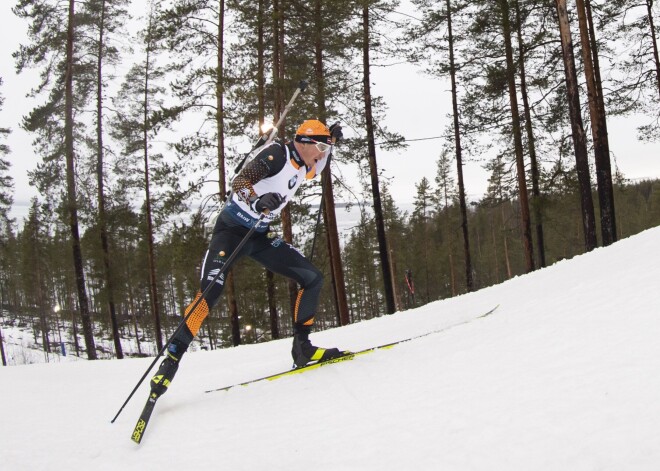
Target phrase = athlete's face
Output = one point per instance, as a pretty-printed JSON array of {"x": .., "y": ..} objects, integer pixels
[{"x": 310, "y": 153}]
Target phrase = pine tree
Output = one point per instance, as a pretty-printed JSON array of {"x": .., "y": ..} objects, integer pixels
[
  {"x": 632, "y": 24},
  {"x": 517, "y": 135},
  {"x": 195, "y": 31},
  {"x": 598, "y": 121},
  {"x": 578, "y": 134},
  {"x": 438, "y": 46},
  {"x": 445, "y": 200},
  {"x": 421, "y": 217},
  {"x": 139, "y": 121},
  {"x": 362, "y": 280},
  {"x": 104, "y": 20},
  {"x": 6, "y": 200},
  {"x": 52, "y": 37},
  {"x": 6, "y": 181},
  {"x": 529, "y": 129},
  {"x": 396, "y": 240},
  {"x": 371, "y": 155},
  {"x": 501, "y": 187},
  {"x": 35, "y": 256}
]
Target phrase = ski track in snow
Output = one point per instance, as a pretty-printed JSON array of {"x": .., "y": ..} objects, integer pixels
[{"x": 564, "y": 375}]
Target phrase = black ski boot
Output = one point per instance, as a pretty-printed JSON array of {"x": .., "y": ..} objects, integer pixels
[
  {"x": 303, "y": 352},
  {"x": 168, "y": 367}
]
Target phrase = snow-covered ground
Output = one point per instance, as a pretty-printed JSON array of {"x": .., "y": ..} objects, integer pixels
[{"x": 564, "y": 375}]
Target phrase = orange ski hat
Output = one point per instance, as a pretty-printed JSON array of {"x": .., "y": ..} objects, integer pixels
[{"x": 312, "y": 131}]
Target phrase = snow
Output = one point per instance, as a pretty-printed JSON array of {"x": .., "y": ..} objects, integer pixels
[{"x": 564, "y": 375}]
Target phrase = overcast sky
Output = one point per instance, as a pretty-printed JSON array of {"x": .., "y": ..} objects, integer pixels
[{"x": 418, "y": 108}]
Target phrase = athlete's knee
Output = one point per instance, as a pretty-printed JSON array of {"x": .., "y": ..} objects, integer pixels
[
  {"x": 214, "y": 272},
  {"x": 213, "y": 293},
  {"x": 313, "y": 279}
]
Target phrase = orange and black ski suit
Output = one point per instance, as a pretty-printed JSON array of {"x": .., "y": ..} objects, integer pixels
[{"x": 277, "y": 168}]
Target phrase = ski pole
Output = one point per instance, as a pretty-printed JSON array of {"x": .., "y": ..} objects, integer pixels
[{"x": 192, "y": 309}]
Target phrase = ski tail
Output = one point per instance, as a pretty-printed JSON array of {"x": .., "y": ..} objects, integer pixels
[{"x": 143, "y": 421}]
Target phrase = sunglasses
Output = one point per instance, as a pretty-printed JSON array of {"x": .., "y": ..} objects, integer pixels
[{"x": 321, "y": 146}]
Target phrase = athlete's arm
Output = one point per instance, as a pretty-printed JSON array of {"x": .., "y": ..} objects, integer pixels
[{"x": 266, "y": 163}]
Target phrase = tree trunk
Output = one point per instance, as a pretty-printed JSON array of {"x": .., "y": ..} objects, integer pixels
[
  {"x": 507, "y": 260},
  {"x": 656, "y": 58},
  {"x": 261, "y": 111},
  {"x": 459, "y": 156},
  {"x": 133, "y": 308},
  {"x": 261, "y": 75},
  {"x": 2, "y": 350},
  {"x": 41, "y": 302},
  {"x": 528, "y": 245},
  {"x": 397, "y": 293},
  {"x": 39, "y": 288},
  {"x": 330, "y": 217},
  {"x": 335, "y": 300},
  {"x": 74, "y": 326},
  {"x": 531, "y": 140},
  {"x": 278, "y": 109},
  {"x": 333, "y": 245},
  {"x": 71, "y": 191},
  {"x": 579, "y": 139},
  {"x": 219, "y": 98},
  {"x": 2, "y": 343},
  {"x": 230, "y": 280},
  {"x": 234, "y": 321},
  {"x": 598, "y": 124},
  {"x": 103, "y": 227},
  {"x": 606, "y": 168},
  {"x": 153, "y": 280},
  {"x": 495, "y": 251},
  {"x": 373, "y": 168}
]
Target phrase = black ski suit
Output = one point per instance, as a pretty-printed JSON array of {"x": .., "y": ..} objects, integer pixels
[{"x": 278, "y": 168}]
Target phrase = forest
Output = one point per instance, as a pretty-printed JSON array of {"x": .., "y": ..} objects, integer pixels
[{"x": 109, "y": 255}]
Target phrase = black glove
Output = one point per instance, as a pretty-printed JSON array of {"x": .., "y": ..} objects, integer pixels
[
  {"x": 269, "y": 201},
  {"x": 335, "y": 131}
]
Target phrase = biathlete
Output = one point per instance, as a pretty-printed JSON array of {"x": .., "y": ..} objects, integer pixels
[{"x": 265, "y": 185}]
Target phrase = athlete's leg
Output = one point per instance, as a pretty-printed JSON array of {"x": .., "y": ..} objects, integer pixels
[
  {"x": 282, "y": 258},
  {"x": 222, "y": 245}
]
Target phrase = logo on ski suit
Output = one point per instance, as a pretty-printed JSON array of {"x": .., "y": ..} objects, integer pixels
[{"x": 293, "y": 181}]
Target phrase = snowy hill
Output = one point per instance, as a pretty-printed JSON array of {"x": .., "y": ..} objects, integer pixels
[{"x": 564, "y": 375}]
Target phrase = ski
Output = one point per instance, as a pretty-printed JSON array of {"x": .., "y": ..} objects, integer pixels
[
  {"x": 344, "y": 356},
  {"x": 347, "y": 355},
  {"x": 143, "y": 421}
]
